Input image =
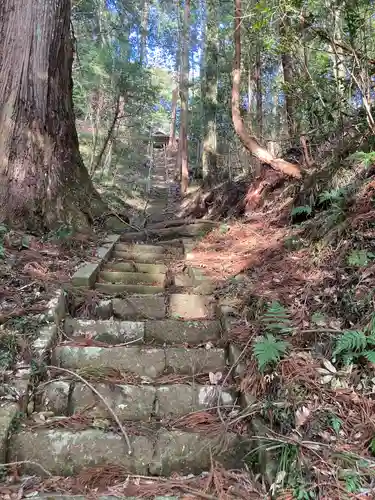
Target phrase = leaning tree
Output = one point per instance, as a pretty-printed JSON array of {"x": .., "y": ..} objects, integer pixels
[{"x": 43, "y": 181}]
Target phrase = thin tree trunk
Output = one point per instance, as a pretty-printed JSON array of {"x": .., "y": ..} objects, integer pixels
[
  {"x": 209, "y": 153},
  {"x": 144, "y": 30},
  {"x": 249, "y": 141},
  {"x": 184, "y": 95},
  {"x": 172, "y": 131},
  {"x": 108, "y": 136},
  {"x": 43, "y": 181},
  {"x": 288, "y": 71}
]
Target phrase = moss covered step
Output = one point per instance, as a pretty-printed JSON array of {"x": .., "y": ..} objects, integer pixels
[
  {"x": 139, "y": 307},
  {"x": 65, "y": 453},
  {"x": 148, "y": 362},
  {"x": 185, "y": 230},
  {"x": 132, "y": 278},
  {"x": 135, "y": 267},
  {"x": 134, "y": 402},
  {"x": 156, "y": 250},
  {"x": 111, "y": 331},
  {"x": 119, "y": 288},
  {"x": 171, "y": 331},
  {"x": 143, "y": 258}
]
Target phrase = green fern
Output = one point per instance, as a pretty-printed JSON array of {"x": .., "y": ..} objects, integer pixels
[
  {"x": 277, "y": 319},
  {"x": 369, "y": 355},
  {"x": 302, "y": 210},
  {"x": 268, "y": 350},
  {"x": 333, "y": 196},
  {"x": 367, "y": 159},
  {"x": 360, "y": 258},
  {"x": 350, "y": 341}
]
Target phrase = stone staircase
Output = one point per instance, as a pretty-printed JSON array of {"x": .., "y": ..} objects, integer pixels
[{"x": 128, "y": 379}]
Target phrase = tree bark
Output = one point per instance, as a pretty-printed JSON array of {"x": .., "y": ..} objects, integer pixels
[
  {"x": 249, "y": 141},
  {"x": 289, "y": 76},
  {"x": 184, "y": 94},
  {"x": 172, "y": 131},
  {"x": 144, "y": 30},
  {"x": 209, "y": 97},
  {"x": 43, "y": 181}
]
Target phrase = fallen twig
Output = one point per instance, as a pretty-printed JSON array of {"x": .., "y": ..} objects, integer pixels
[{"x": 95, "y": 391}]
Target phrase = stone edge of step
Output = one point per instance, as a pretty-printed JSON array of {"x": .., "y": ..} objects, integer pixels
[{"x": 85, "y": 275}]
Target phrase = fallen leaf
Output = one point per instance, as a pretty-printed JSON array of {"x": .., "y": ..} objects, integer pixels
[{"x": 302, "y": 416}]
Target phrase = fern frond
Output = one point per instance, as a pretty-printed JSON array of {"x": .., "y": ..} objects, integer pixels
[
  {"x": 277, "y": 319},
  {"x": 305, "y": 209},
  {"x": 370, "y": 356},
  {"x": 268, "y": 350},
  {"x": 350, "y": 341}
]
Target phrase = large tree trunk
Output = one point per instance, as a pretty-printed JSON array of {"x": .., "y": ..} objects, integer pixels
[
  {"x": 43, "y": 181},
  {"x": 249, "y": 141},
  {"x": 184, "y": 96}
]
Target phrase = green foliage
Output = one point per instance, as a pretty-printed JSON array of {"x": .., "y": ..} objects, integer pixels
[
  {"x": 353, "y": 482},
  {"x": 354, "y": 344},
  {"x": 360, "y": 258},
  {"x": 268, "y": 350},
  {"x": 367, "y": 159},
  {"x": 277, "y": 320},
  {"x": 302, "y": 210},
  {"x": 3, "y": 232}
]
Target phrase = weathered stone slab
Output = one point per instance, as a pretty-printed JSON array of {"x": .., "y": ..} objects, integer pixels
[
  {"x": 116, "y": 288},
  {"x": 132, "y": 278},
  {"x": 136, "y": 267},
  {"x": 52, "y": 496},
  {"x": 190, "y": 453},
  {"x": 180, "y": 399},
  {"x": 64, "y": 453},
  {"x": 192, "y": 361},
  {"x": 86, "y": 275},
  {"x": 139, "y": 249},
  {"x": 55, "y": 397},
  {"x": 8, "y": 412},
  {"x": 56, "y": 308},
  {"x": 129, "y": 402},
  {"x": 110, "y": 331},
  {"x": 183, "y": 280},
  {"x": 235, "y": 358},
  {"x": 174, "y": 331},
  {"x": 189, "y": 306},
  {"x": 47, "y": 336},
  {"x": 144, "y": 258},
  {"x": 144, "y": 307},
  {"x": 143, "y": 362},
  {"x": 104, "y": 309}
]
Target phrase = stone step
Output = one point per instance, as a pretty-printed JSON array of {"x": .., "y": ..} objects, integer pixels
[
  {"x": 170, "y": 331},
  {"x": 142, "y": 361},
  {"x": 116, "y": 289},
  {"x": 136, "y": 267},
  {"x": 140, "y": 249},
  {"x": 64, "y": 452},
  {"x": 142, "y": 258},
  {"x": 134, "y": 402},
  {"x": 164, "y": 331},
  {"x": 192, "y": 306},
  {"x": 111, "y": 331},
  {"x": 142, "y": 307},
  {"x": 187, "y": 230},
  {"x": 132, "y": 278}
]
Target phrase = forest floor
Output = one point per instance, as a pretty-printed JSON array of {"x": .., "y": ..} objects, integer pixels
[{"x": 306, "y": 288}]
